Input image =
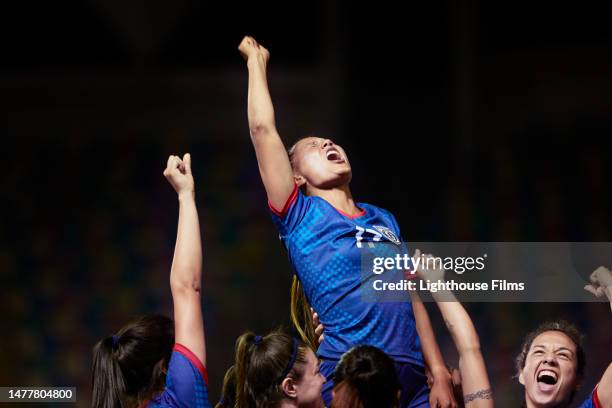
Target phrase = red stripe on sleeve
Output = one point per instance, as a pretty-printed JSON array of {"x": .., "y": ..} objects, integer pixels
[
  {"x": 194, "y": 360},
  {"x": 288, "y": 203},
  {"x": 596, "y": 399}
]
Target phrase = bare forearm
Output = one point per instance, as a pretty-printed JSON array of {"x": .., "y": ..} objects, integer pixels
[
  {"x": 604, "y": 388},
  {"x": 272, "y": 158},
  {"x": 186, "y": 270},
  {"x": 458, "y": 322},
  {"x": 431, "y": 351},
  {"x": 260, "y": 108},
  {"x": 475, "y": 380}
]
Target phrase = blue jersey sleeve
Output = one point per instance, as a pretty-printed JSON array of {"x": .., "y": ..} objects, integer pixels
[
  {"x": 592, "y": 401},
  {"x": 186, "y": 382},
  {"x": 289, "y": 217}
]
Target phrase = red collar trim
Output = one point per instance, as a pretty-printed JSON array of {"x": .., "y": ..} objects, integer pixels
[{"x": 352, "y": 217}]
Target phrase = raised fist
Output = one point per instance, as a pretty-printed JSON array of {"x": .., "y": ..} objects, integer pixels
[
  {"x": 178, "y": 174},
  {"x": 601, "y": 283},
  {"x": 250, "y": 49}
]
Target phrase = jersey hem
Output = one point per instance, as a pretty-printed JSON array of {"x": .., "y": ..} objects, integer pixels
[{"x": 403, "y": 360}]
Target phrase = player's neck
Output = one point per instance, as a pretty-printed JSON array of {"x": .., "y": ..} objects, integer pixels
[
  {"x": 339, "y": 197},
  {"x": 285, "y": 403}
]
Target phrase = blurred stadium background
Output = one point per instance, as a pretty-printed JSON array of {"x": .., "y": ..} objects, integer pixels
[{"x": 468, "y": 120}]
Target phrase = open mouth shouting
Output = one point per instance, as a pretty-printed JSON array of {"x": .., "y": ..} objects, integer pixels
[
  {"x": 333, "y": 155},
  {"x": 546, "y": 380}
]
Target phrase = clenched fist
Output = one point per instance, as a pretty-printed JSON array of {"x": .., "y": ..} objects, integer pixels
[
  {"x": 252, "y": 51},
  {"x": 601, "y": 283},
  {"x": 178, "y": 174}
]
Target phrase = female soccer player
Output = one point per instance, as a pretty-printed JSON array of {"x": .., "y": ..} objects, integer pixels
[
  {"x": 276, "y": 371},
  {"x": 475, "y": 385},
  {"x": 552, "y": 359},
  {"x": 551, "y": 366},
  {"x": 323, "y": 229},
  {"x": 131, "y": 367}
]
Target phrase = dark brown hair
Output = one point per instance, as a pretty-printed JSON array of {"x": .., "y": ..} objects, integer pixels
[
  {"x": 262, "y": 363},
  {"x": 129, "y": 366},
  {"x": 365, "y": 377},
  {"x": 346, "y": 396},
  {"x": 228, "y": 390}
]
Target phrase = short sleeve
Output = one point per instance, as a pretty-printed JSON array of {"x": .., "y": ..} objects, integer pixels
[
  {"x": 186, "y": 382},
  {"x": 592, "y": 401},
  {"x": 289, "y": 217}
]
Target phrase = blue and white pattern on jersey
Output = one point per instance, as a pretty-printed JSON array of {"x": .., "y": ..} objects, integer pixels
[{"x": 325, "y": 247}]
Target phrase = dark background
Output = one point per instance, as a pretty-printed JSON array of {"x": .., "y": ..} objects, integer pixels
[{"x": 468, "y": 120}]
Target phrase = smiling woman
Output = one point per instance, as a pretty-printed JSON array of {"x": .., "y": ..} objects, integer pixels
[{"x": 551, "y": 367}]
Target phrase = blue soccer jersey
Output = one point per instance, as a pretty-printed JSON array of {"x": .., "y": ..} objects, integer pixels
[
  {"x": 592, "y": 401},
  {"x": 186, "y": 382},
  {"x": 324, "y": 247}
]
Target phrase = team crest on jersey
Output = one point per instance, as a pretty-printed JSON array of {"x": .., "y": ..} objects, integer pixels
[{"x": 387, "y": 233}]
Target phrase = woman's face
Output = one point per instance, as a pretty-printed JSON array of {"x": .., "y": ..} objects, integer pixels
[
  {"x": 549, "y": 375},
  {"x": 320, "y": 163},
  {"x": 310, "y": 385}
]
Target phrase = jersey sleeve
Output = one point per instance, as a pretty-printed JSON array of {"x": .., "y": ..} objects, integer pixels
[
  {"x": 186, "y": 381},
  {"x": 592, "y": 401},
  {"x": 289, "y": 217}
]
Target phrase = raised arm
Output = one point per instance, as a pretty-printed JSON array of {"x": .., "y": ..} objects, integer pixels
[
  {"x": 272, "y": 157},
  {"x": 186, "y": 272},
  {"x": 441, "y": 394},
  {"x": 474, "y": 379},
  {"x": 604, "y": 388},
  {"x": 601, "y": 285}
]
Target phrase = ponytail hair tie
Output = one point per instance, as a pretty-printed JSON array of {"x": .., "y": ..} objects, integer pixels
[
  {"x": 115, "y": 341},
  {"x": 294, "y": 352},
  {"x": 257, "y": 339}
]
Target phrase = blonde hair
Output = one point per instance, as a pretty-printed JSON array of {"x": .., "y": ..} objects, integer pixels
[{"x": 301, "y": 315}]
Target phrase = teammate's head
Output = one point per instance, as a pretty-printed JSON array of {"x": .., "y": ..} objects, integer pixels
[
  {"x": 129, "y": 367},
  {"x": 276, "y": 368},
  {"x": 551, "y": 364},
  {"x": 319, "y": 163},
  {"x": 365, "y": 377},
  {"x": 228, "y": 390}
]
